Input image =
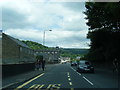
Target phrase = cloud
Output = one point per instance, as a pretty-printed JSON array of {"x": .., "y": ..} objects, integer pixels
[{"x": 27, "y": 20}]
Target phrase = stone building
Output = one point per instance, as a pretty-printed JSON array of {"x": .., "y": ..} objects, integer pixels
[
  {"x": 14, "y": 51},
  {"x": 50, "y": 55}
]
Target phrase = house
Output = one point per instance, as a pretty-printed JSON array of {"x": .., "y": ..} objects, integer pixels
[{"x": 50, "y": 55}]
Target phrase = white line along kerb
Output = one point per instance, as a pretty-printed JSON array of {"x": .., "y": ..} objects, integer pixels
[
  {"x": 87, "y": 80},
  {"x": 73, "y": 69}
]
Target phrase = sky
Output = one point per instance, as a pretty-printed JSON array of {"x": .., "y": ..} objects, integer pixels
[{"x": 29, "y": 19}]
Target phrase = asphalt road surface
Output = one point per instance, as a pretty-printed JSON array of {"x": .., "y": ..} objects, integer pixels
[{"x": 63, "y": 76}]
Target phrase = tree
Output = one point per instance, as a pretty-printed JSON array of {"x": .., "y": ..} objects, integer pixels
[{"x": 104, "y": 30}]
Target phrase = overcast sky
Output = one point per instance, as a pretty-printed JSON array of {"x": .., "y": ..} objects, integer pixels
[{"x": 27, "y": 20}]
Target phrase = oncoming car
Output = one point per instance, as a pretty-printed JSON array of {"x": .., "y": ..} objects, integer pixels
[
  {"x": 73, "y": 63},
  {"x": 85, "y": 66}
]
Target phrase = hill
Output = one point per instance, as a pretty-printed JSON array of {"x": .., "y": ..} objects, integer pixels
[
  {"x": 34, "y": 45},
  {"x": 73, "y": 52}
]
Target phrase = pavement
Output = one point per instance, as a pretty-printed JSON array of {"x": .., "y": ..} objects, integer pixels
[{"x": 11, "y": 80}]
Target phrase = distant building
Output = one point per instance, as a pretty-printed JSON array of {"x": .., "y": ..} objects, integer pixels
[
  {"x": 14, "y": 51},
  {"x": 50, "y": 55}
]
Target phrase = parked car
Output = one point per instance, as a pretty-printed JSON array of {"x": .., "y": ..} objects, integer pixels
[
  {"x": 85, "y": 66},
  {"x": 73, "y": 63}
]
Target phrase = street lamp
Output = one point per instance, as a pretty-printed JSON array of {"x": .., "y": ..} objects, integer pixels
[{"x": 44, "y": 36}]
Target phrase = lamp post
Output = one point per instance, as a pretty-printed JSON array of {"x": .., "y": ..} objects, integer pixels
[{"x": 44, "y": 36}]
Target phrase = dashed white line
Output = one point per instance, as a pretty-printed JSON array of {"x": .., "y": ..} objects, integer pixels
[
  {"x": 69, "y": 79},
  {"x": 70, "y": 83},
  {"x": 68, "y": 73},
  {"x": 83, "y": 77},
  {"x": 87, "y": 80}
]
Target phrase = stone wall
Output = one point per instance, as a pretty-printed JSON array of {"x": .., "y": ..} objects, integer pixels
[{"x": 13, "y": 69}]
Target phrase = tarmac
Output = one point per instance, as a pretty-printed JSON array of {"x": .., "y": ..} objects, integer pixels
[{"x": 11, "y": 80}]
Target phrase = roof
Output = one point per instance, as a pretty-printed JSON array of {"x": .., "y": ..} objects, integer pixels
[{"x": 16, "y": 41}]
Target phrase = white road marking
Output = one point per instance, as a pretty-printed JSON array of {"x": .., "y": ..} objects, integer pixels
[
  {"x": 70, "y": 83},
  {"x": 83, "y": 77},
  {"x": 78, "y": 73},
  {"x": 75, "y": 71},
  {"x": 88, "y": 80},
  {"x": 68, "y": 73},
  {"x": 68, "y": 76},
  {"x": 69, "y": 79}
]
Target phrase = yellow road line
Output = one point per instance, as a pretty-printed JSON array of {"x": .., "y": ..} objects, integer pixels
[
  {"x": 49, "y": 86},
  {"x": 31, "y": 87},
  {"x": 37, "y": 86},
  {"x": 71, "y": 88},
  {"x": 40, "y": 87},
  {"x": 28, "y": 82}
]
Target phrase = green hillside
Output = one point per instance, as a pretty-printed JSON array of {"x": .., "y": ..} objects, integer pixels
[
  {"x": 73, "y": 52},
  {"x": 34, "y": 45}
]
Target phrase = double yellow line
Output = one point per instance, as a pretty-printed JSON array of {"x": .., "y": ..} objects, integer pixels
[{"x": 29, "y": 81}]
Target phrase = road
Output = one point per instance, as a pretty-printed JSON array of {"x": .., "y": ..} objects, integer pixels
[{"x": 63, "y": 76}]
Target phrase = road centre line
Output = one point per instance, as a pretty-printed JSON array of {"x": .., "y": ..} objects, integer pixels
[
  {"x": 68, "y": 76},
  {"x": 70, "y": 83},
  {"x": 68, "y": 73},
  {"x": 87, "y": 80},
  {"x": 29, "y": 81},
  {"x": 69, "y": 79}
]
